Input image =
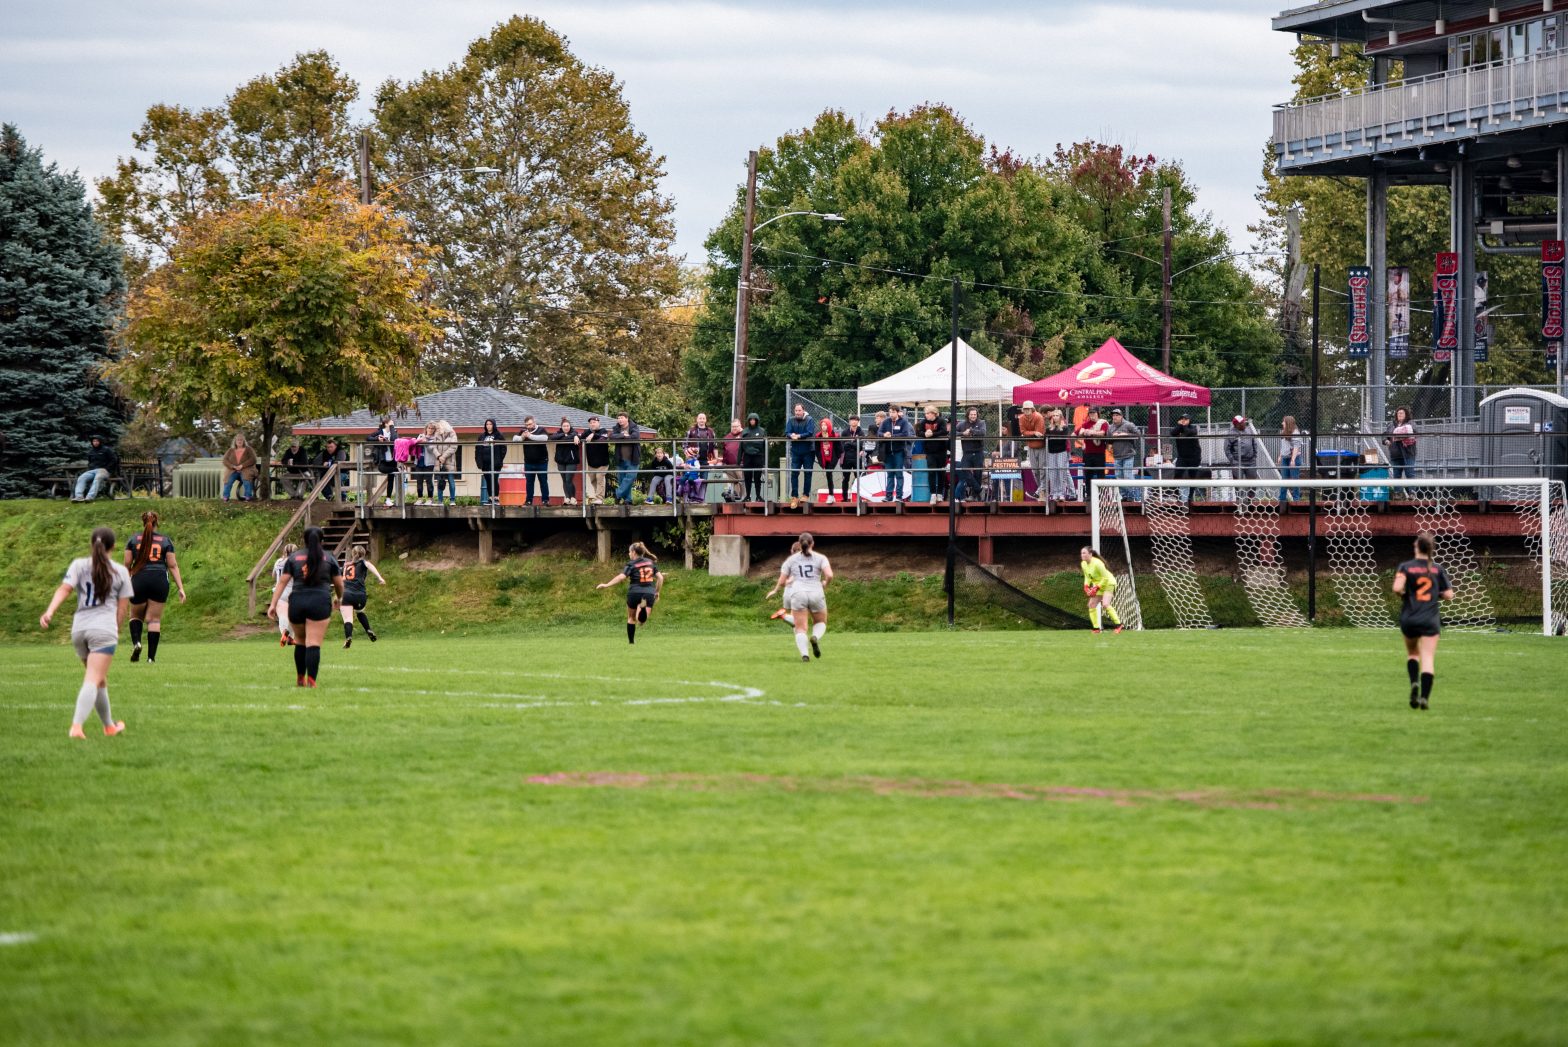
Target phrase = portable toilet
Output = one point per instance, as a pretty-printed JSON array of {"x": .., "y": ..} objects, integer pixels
[{"x": 1526, "y": 434}]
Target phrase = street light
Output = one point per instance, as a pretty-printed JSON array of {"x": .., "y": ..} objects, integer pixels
[
  {"x": 367, "y": 197},
  {"x": 743, "y": 288}
]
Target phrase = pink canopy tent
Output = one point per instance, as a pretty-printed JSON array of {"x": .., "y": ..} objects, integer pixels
[{"x": 1112, "y": 375}]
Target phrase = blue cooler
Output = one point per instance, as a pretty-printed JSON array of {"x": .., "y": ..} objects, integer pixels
[{"x": 1378, "y": 493}]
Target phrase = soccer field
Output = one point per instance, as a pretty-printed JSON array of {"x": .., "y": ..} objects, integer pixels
[{"x": 924, "y": 838}]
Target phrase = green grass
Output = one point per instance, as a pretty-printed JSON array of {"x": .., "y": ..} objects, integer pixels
[{"x": 369, "y": 863}]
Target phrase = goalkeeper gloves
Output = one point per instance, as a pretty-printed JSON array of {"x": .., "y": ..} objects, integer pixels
[{"x": 1091, "y": 590}]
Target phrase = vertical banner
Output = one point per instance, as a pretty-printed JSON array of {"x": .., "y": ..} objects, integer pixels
[
  {"x": 1552, "y": 299},
  {"x": 1398, "y": 312},
  {"x": 1483, "y": 322},
  {"x": 1360, "y": 340},
  {"x": 1445, "y": 307}
]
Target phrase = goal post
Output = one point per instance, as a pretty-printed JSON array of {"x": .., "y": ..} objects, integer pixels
[{"x": 1332, "y": 520}]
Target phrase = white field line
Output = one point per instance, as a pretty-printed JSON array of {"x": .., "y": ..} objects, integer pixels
[{"x": 17, "y": 937}]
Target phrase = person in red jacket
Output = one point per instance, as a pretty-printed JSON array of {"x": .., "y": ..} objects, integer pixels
[{"x": 829, "y": 453}]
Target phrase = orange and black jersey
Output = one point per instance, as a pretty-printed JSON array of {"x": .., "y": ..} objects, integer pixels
[
  {"x": 1425, "y": 584},
  {"x": 354, "y": 578},
  {"x": 157, "y": 554},
  {"x": 297, "y": 568},
  {"x": 643, "y": 574}
]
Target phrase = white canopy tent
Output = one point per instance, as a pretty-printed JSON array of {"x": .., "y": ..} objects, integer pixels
[{"x": 979, "y": 380}]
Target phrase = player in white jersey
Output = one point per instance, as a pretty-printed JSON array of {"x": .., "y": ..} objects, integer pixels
[
  {"x": 281, "y": 584},
  {"x": 103, "y": 599},
  {"x": 806, "y": 575},
  {"x": 783, "y": 613}
]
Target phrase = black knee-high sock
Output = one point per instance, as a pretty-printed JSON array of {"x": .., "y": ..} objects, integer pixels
[
  {"x": 312, "y": 662},
  {"x": 299, "y": 659},
  {"x": 348, "y": 630},
  {"x": 1413, "y": 667},
  {"x": 152, "y": 643},
  {"x": 631, "y": 632},
  {"x": 1426, "y": 684},
  {"x": 136, "y": 630},
  {"x": 364, "y": 620}
]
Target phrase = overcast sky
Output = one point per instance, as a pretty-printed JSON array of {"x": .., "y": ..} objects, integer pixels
[{"x": 1183, "y": 79}]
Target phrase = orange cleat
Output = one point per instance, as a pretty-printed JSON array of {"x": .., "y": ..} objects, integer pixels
[
  {"x": 299, "y": 681},
  {"x": 1116, "y": 630},
  {"x": 77, "y": 732},
  {"x": 110, "y": 730},
  {"x": 310, "y": 681}
]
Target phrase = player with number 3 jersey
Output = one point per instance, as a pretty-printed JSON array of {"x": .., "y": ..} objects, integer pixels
[
  {"x": 354, "y": 595},
  {"x": 1422, "y": 586}
]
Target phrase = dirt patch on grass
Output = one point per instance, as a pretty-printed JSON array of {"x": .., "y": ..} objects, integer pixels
[
  {"x": 245, "y": 630},
  {"x": 925, "y": 788}
]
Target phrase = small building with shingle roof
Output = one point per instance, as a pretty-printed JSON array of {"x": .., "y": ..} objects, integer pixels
[{"x": 465, "y": 409}]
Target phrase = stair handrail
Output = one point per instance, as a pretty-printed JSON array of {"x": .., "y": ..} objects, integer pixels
[{"x": 282, "y": 536}]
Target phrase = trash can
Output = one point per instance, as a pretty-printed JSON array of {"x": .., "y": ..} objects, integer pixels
[
  {"x": 920, "y": 489},
  {"x": 1338, "y": 465}
]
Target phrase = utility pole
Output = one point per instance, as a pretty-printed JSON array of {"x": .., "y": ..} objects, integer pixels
[
  {"x": 743, "y": 294},
  {"x": 364, "y": 167},
  {"x": 1165, "y": 290}
]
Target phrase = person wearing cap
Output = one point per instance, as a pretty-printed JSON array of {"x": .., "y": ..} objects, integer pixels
[
  {"x": 1031, "y": 429},
  {"x": 1188, "y": 450},
  {"x": 1125, "y": 440},
  {"x": 1241, "y": 453},
  {"x": 102, "y": 463}
]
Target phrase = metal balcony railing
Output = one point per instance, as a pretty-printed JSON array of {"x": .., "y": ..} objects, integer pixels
[{"x": 1461, "y": 103}]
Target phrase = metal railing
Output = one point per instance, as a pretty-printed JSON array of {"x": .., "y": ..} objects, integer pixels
[
  {"x": 327, "y": 478},
  {"x": 1462, "y": 98}
]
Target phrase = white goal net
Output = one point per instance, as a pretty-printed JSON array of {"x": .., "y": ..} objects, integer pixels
[{"x": 1503, "y": 542}]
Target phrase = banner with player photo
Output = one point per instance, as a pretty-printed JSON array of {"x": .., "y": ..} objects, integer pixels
[
  {"x": 1398, "y": 312},
  {"x": 1445, "y": 307},
  {"x": 1360, "y": 332},
  {"x": 1483, "y": 322}
]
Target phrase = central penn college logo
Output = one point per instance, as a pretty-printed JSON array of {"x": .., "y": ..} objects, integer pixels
[{"x": 1099, "y": 371}]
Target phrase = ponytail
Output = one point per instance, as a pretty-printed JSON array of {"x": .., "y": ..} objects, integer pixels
[
  {"x": 103, "y": 567},
  {"x": 358, "y": 552},
  {"x": 806, "y": 543},
  {"x": 144, "y": 550},
  {"x": 640, "y": 552},
  {"x": 313, "y": 553},
  {"x": 1426, "y": 545}
]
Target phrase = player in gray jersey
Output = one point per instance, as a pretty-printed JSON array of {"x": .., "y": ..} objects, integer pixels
[
  {"x": 806, "y": 575},
  {"x": 103, "y": 599}
]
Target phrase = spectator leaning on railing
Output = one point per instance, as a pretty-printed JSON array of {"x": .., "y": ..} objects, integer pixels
[
  {"x": 102, "y": 463},
  {"x": 332, "y": 455},
  {"x": 971, "y": 449},
  {"x": 1125, "y": 438},
  {"x": 447, "y": 466}
]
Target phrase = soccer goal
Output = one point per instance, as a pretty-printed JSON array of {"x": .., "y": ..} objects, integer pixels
[{"x": 1188, "y": 536}]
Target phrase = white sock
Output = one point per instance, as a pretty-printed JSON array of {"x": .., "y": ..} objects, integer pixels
[
  {"x": 819, "y": 629},
  {"x": 800, "y": 643},
  {"x": 85, "y": 699},
  {"x": 101, "y": 703}
]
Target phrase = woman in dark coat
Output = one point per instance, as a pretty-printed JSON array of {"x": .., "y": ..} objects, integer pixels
[
  {"x": 568, "y": 457},
  {"x": 754, "y": 456},
  {"x": 489, "y": 456},
  {"x": 933, "y": 433}
]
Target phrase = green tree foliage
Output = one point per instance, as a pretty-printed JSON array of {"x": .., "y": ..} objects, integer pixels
[
  {"x": 556, "y": 269},
  {"x": 294, "y": 306},
  {"x": 290, "y": 129},
  {"x": 658, "y": 405},
  {"x": 925, "y": 201},
  {"x": 60, "y": 281},
  {"x": 1333, "y": 236}
]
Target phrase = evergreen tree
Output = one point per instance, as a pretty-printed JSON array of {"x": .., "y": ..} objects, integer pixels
[{"x": 60, "y": 282}]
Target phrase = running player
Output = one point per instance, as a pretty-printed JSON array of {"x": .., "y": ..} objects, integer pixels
[
  {"x": 783, "y": 613},
  {"x": 149, "y": 557},
  {"x": 354, "y": 595},
  {"x": 103, "y": 597},
  {"x": 1424, "y": 586},
  {"x": 807, "y": 573},
  {"x": 1099, "y": 585},
  {"x": 316, "y": 577},
  {"x": 281, "y": 584},
  {"x": 645, "y": 583}
]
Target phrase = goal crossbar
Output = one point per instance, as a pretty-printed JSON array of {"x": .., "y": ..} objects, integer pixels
[{"x": 1539, "y": 500}]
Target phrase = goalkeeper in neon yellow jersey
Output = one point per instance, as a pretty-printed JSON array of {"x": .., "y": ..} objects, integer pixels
[{"x": 1099, "y": 585}]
